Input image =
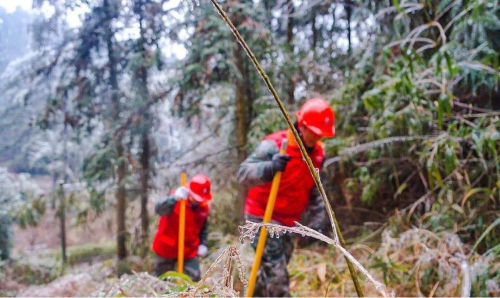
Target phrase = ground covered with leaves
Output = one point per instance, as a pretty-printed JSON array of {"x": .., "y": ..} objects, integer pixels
[{"x": 413, "y": 262}]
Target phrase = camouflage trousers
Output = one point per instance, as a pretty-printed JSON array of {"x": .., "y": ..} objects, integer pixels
[
  {"x": 272, "y": 277},
  {"x": 191, "y": 267}
]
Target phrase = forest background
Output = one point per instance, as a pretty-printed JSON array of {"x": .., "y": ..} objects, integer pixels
[{"x": 104, "y": 103}]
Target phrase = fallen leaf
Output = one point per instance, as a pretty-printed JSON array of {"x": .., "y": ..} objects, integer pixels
[{"x": 322, "y": 272}]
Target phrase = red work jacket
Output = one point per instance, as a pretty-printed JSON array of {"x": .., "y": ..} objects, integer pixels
[
  {"x": 295, "y": 185},
  {"x": 165, "y": 243}
]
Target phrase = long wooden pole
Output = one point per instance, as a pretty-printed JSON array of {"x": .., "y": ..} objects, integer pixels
[
  {"x": 182, "y": 229},
  {"x": 263, "y": 232}
]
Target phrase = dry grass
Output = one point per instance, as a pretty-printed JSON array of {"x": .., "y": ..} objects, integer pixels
[{"x": 413, "y": 262}]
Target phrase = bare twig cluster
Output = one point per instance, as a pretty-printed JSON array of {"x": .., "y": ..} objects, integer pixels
[
  {"x": 224, "y": 285},
  {"x": 250, "y": 230}
]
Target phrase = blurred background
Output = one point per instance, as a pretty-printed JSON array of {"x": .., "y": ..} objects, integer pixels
[{"x": 103, "y": 103}]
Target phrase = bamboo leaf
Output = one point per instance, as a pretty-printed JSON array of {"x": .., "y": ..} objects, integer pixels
[
  {"x": 474, "y": 191},
  {"x": 493, "y": 225},
  {"x": 440, "y": 112},
  {"x": 401, "y": 188},
  {"x": 173, "y": 274},
  {"x": 322, "y": 272},
  {"x": 396, "y": 4}
]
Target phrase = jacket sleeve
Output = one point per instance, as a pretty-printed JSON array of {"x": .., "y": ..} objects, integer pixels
[
  {"x": 164, "y": 207},
  {"x": 204, "y": 234},
  {"x": 315, "y": 213},
  {"x": 257, "y": 168}
]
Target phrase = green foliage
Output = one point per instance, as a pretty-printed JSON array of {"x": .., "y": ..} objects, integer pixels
[
  {"x": 84, "y": 253},
  {"x": 5, "y": 237},
  {"x": 210, "y": 59},
  {"x": 268, "y": 120},
  {"x": 413, "y": 91},
  {"x": 21, "y": 202},
  {"x": 99, "y": 166},
  {"x": 37, "y": 269},
  {"x": 389, "y": 270},
  {"x": 31, "y": 213},
  {"x": 441, "y": 90},
  {"x": 180, "y": 281},
  {"x": 222, "y": 216}
]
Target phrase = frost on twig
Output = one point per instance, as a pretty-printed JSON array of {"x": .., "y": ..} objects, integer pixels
[
  {"x": 466, "y": 284},
  {"x": 250, "y": 230},
  {"x": 216, "y": 291},
  {"x": 193, "y": 3},
  {"x": 224, "y": 286}
]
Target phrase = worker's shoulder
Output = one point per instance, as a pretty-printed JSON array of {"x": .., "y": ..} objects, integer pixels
[
  {"x": 266, "y": 149},
  {"x": 277, "y": 137}
]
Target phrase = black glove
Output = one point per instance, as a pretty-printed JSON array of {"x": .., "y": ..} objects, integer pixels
[{"x": 279, "y": 162}]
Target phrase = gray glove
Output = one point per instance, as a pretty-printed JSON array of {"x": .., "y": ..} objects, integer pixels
[
  {"x": 181, "y": 193},
  {"x": 202, "y": 250},
  {"x": 279, "y": 161}
]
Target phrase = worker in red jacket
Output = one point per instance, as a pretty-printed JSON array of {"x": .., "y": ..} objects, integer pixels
[
  {"x": 165, "y": 244},
  {"x": 297, "y": 192}
]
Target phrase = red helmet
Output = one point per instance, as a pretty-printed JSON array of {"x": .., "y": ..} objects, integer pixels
[
  {"x": 317, "y": 115},
  {"x": 199, "y": 188}
]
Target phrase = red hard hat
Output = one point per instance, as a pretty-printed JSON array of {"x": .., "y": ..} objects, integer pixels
[
  {"x": 317, "y": 115},
  {"x": 199, "y": 188}
]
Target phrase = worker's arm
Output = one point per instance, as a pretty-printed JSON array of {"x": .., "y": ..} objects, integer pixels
[
  {"x": 315, "y": 213},
  {"x": 204, "y": 234},
  {"x": 202, "y": 248},
  {"x": 259, "y": 168},
  {"x": 164, "y": 207}
]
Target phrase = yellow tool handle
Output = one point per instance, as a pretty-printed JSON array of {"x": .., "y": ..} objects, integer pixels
[
  {"x": 263, "y": 232},
  {"x": 182, "y": 229}
]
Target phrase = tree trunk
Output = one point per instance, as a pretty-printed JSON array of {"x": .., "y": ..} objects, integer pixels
[
  {"x": 241, "y": 104},
  {"x": 145, "y": 142},
  {"x": 121, "y": 195},
  {"x": 314, "y": 29},
  {"x": 243, "y": 111},
  {"x": 314, "y": 44},
  {"x": 348, "y": 9},
  {"x": 242, "y": 119},
  {"x": 62, "y": 219},
  {"x": 62, "y": 203},
  {"x": 121, "y": 204},
  {"x": 145, "y": 172},
  {"x": 53, "y": 199},
  {"x": 289, "y": 39}
]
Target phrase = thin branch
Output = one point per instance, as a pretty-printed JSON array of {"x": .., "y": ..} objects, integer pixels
[
  {"x": 448, "y": 26},
  {"x": 470, "y": 107},
  {"x": 413, "y": 206},
  {"x": 418, "y": 39},
  {"x": 394, "y": 9},
  {"x": 198, "y": 159}
]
